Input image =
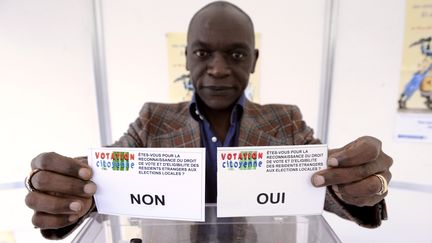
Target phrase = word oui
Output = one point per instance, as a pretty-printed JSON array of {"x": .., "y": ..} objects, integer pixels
[{"x": 264, "y": 198}]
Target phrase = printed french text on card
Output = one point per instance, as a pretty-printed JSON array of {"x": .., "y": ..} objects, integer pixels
[
  {"x": 265, "y": 181},
  {"x": 160, "y": 183}
]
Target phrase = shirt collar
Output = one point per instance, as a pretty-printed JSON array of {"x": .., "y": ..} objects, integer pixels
[{"x": 236, "y": 113}]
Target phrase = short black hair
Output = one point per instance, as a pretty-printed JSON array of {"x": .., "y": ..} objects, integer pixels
[{"x": 222, "y": 4}]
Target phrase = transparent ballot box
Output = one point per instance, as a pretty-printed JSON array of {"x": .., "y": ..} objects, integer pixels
[{"x": 121, "y": 229}]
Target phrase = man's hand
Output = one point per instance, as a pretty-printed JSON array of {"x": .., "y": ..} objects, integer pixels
[
  {"x": 351, "y": 172},
  {"x": 63, "y": 190}
]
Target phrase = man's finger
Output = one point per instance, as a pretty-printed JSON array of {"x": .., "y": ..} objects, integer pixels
[
  {"x": 51, "y": 221},
  {"x": 61, "y": 164},
  {"x": 54, "y": 205},
  {"x": 43, "y": 181},
  {"x": 362, "y": 150},
  {"x": 358, "y": 201},
  {"x": 334, "y": 176},
  {"x": 370, "y": 186}
]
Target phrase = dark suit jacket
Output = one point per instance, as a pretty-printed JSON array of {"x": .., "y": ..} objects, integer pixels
[{"x": 171, "y": 125}]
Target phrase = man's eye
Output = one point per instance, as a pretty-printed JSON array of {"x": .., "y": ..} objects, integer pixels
[
  {"x": 201, "y": 53},
  {"x": 238, "y": 55}
]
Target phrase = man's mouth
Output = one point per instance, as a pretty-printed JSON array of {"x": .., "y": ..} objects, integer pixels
[{"x": 218, "y": 88}]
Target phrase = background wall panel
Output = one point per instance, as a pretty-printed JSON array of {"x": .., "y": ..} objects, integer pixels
[{"x": 47, "y": 100}]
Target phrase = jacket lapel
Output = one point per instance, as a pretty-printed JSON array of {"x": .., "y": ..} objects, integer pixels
[
  {"x": 255, "y": 129},
  {"x": 186, "y": 136}
]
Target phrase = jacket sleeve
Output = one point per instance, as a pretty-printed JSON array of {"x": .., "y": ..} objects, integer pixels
[{"x": 367, "y": 216}]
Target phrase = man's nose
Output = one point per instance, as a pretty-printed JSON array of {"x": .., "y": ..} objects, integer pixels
[{"x": 218, "y": 66}]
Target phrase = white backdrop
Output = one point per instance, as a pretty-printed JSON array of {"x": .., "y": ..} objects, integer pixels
[
  {"x": 366, "y": 80},
  {"x": 46, "y": 80},
  {"x": 47, "y": 100}
]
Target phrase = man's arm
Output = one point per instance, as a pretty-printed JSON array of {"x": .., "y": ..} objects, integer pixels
[
  {"x": 353, "y": 189},
  {"x": 63, "y": 196}
]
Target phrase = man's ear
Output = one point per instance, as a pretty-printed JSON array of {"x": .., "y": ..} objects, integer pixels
[
  {"x": 256, "y": 55},
  {"x": 187, "y": 63}
]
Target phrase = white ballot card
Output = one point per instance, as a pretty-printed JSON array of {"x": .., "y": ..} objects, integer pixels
[
  {"x": 160, "y": 183},
  {"x": 268, "y": 181}
]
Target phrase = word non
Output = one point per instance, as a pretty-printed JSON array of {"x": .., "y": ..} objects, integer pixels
[{"x": 147, "y": 199}]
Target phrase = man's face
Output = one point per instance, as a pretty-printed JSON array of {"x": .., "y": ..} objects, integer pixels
[{"x": 220, "y": 56}]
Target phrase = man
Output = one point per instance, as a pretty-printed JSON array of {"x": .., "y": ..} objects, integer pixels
[{"x": 220, "y": 56}]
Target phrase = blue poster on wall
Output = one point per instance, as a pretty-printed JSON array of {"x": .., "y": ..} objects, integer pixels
[{"x": 414, "y": 116}]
